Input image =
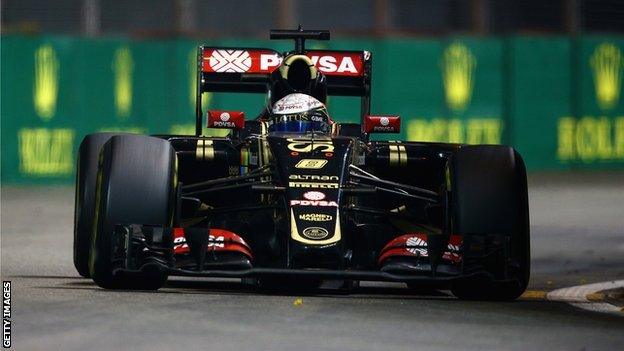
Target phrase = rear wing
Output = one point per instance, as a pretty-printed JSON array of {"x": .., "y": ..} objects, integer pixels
[{"x": 247, "y": 70}]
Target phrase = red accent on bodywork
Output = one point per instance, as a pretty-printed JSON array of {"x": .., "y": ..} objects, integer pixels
[
  {"x": 382, "y": 124},
  {"x": 415, "y": 244},
  {"x": 219, "y": 240},
  {"x": 404, "y": 246},
  {"x": 226, "y": 119},
  {"x": 455, "y": 244}
]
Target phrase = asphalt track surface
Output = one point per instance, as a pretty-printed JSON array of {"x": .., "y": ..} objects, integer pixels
[{"x": 577, "y": 238}]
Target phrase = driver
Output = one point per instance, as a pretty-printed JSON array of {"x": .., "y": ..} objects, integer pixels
[
  {"x": 296, "y": 74},
  {"x": 299, "y": 113}
]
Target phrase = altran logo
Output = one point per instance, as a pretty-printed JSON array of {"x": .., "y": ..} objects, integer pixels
[
  {"x": 458, "y": 66},
  {"x": 606, "y": 63},
  {"x": 235, "y": 61},
  {"x": 123, "y": 66},
  {"x": 45, "y": 88}
]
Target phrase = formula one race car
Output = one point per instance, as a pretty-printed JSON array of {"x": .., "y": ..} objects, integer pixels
[{"x": 292, "y": 198}]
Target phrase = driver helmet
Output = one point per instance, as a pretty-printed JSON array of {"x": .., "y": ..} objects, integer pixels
[{"x": 299, "y": 113}]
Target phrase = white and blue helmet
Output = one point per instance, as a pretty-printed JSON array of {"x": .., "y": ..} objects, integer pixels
[{"x": 299, "y": 113}]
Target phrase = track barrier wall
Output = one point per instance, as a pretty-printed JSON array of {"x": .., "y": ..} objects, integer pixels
[{"x": 557, "y": 99}]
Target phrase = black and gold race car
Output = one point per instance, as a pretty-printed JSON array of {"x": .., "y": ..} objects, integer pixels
[{"x": 292, "y": 198}]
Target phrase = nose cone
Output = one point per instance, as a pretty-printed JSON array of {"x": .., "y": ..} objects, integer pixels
[{"x": 311, "y": 167}]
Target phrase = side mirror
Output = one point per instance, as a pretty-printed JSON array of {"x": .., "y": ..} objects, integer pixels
[
  {"x": 382, "y": 124},
  {"x": 226, "y": 119}
]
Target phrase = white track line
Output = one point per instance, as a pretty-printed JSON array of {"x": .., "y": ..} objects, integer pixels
[{"x": 577, "y": 296}]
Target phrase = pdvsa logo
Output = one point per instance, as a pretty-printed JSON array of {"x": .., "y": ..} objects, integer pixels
[
  {"x": 45, "y": 88},
  {"x": 264, "y": 61},
  {"x": 224, "y": 121},
  {"x": 123, "y": 67},
  {"x": 458, "y": 66},
  {"x": 606, "y": 63},
  {"x": 324, "y": 63}
]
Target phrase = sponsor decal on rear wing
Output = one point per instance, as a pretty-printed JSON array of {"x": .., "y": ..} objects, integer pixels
[
  {"x": 247, "y": 70},
  {"x": 265, "y": 61},
  {"x": 258, "y": 61}
]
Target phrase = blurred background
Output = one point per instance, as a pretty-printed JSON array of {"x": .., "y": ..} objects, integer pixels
[{"x": 543, "y": 76}]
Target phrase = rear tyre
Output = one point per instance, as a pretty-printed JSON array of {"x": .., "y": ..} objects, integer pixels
[
  {"x": 84, "y": 209},
  {"x": 136, "y": 184},
  {"x": 489, "y": 196}
]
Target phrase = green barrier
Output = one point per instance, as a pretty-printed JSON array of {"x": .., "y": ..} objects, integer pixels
[
  {"x": 454, "y": 89},
  {"x": 566, "y": 109},
  {"x": 39, "y": 128},
  {"x": 594, "y": 134},
  {"x": 557, "y": 99},
  {"x": 540, "y": 93}
]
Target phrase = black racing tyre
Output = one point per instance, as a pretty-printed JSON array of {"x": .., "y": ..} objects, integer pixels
[
  {"x": 136, "y": 184},
  {"x": 489, "y": 196},
  {"x": 84, "y": 208}
]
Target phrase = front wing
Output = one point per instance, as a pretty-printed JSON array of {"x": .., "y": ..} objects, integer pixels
[{"x": 141, "y": 248}]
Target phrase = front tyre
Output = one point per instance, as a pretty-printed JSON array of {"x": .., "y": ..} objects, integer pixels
[
  {"x": 136, "y": 185},
  {"x": 84, "y": 207},
  {"x": 489, "y": 197}
]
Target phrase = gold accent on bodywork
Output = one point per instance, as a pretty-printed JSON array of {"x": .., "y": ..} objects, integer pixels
[
  {"x": 394, "y": 155},
  {"x": 402, "y": 155},
  {"x": 294, "y": 232},
  {"x": 285, "y": 66},
  {"x": 264, "y": 127},
  {"x": 263, "y": 156},
  {"x": 310, "y": 144},
  {"x": 311, "y": 163},
  {"x": 397, "y": 154},
  {"x": 399, "y": 209},
  {"x": 263, "y": 145},
  {"x": 205, "y": 150}
]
